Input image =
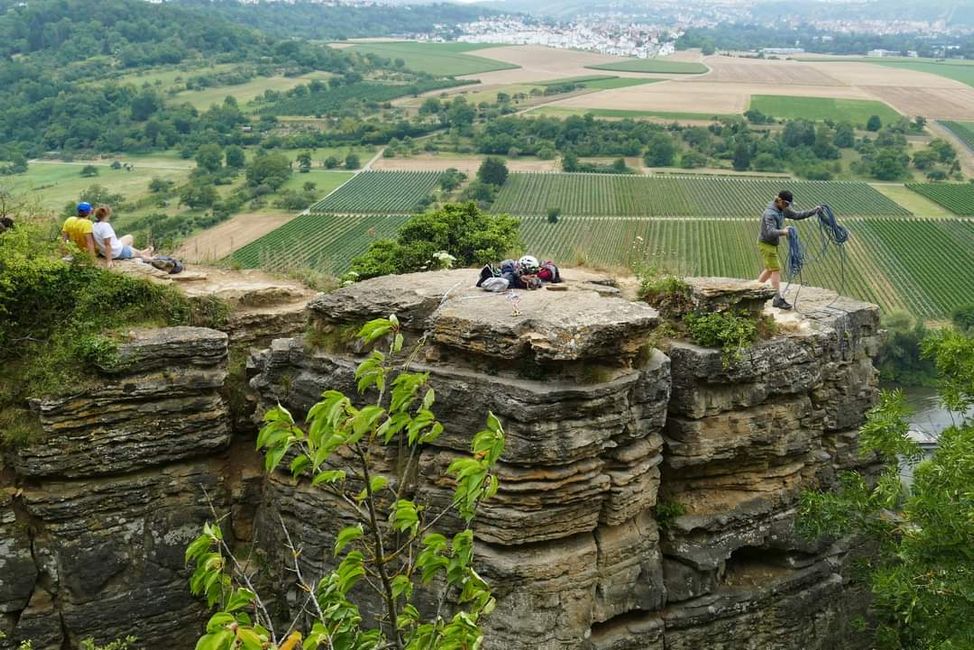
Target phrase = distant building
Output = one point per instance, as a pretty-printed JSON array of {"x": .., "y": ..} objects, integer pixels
[
  {"x": 882, "y": 53},
  {"x": 782, "y": 51}
]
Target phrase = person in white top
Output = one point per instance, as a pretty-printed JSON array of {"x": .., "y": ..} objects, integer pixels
[{"x": 109, "y": 245}]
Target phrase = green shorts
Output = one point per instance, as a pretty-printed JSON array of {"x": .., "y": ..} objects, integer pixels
[{"x": 769, "y": 255}]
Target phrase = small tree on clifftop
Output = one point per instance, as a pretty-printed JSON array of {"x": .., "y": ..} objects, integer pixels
[{"x": 392, "y": 549}]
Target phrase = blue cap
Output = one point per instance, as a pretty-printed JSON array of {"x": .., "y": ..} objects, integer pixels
[{"x": 84, "y": 208}]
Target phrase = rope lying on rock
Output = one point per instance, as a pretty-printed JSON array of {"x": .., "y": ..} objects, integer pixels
[{"x": 831, "y": 233}]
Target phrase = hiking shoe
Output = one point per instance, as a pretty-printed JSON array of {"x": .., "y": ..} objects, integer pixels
[{"x": 780, "y": 303}]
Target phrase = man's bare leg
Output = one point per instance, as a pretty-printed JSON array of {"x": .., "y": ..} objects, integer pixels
[{"x": 765, "y": 274}]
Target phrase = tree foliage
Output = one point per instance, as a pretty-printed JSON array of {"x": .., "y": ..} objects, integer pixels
[
  {"x": 471, "y": 236},
  {"x": 922, "y": 573},
  {"x": 393, "y": 550}
]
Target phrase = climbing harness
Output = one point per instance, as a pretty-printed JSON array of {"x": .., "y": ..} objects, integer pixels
[{"x": 831, "y": 233}]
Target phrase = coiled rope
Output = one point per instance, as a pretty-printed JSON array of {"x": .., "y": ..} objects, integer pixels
[{"x": 831, "y": 233}]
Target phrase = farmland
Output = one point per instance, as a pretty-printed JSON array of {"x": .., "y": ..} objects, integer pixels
[
  {"x": 963, "y": 130},
  {"x": 380, "y": 193},
  {"x": 956, "y": 197},
  {"x": 819, "y": 109},
  {"x": 895, "y": 263},
  {"x": 640, "y": 196},
  {"x": 660, "y": 66},
  {"x": 318, "y": 241},
  {"x": 612, "y": 113},
  {"x": 440, "y": 59}
]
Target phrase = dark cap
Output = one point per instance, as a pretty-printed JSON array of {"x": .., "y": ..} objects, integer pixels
[{"x": 786, "y": 195}]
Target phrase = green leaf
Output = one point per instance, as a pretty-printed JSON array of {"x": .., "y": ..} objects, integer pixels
[
  {"x": 328, "y": 476},
  {"x": 219, "y": 621},
  {"x": 300, "y": 463},
  {"x": 249, "y": 639},
  {"x": 402, "y": 586},
  {"x": 405, "y": 516},
  {"x": 239, "y": 599},
  {"x": 378, "y": 482},
  {"x": 198, "y": 546},
  {"x": 347, "y": 536},
  {"x": 428, "y": 399}
]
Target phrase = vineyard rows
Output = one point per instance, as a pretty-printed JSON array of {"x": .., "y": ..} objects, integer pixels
[
  {"x": 897, "y": 264},
  {"x": 963, "y": 130},
  {"x": 640, "y": 196},
  {"x": 323, "y": 242},
  {"x": 956, "y": 197},
  {"x": 380, "y": 193}
]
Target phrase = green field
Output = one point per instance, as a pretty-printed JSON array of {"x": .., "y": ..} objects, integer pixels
[
  {"x": 606, "y": 195},
  {"x": 956, "y": 197},
  {"x": 818, "y": 109},
  {"x": 324, "y": 242},
  {"x": 325, "y": 180},
  {"x": 962, "y": 72},
  {"x": 440, "y": 59},
  {"x": 653, "y": 65},
  {"x": 894, "y": 263},
  {"x": 244, "y": 93},
  {"x": 613, "y": 113},
  {"x": 963, "y": 130},
  {"x": 380, "y": 193},
  {"x": 54, "y": 184}
]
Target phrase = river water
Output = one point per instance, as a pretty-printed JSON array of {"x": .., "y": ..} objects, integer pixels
[{"x": 928, "y": 419}]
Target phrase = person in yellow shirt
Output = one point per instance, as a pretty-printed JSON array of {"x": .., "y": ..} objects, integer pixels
[{"x": 78, "y": 229}]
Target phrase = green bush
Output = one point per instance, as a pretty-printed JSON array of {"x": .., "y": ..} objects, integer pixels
[
  {"x": 665, "y": 292},
  {"x": 61, "y": 317},
  {"x": 730, "y": 332},
  {"x": 471, "y": 236}
]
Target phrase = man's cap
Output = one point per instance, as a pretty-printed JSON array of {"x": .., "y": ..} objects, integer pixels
[
  {"x": 786, "y": 195},
  {"x": 84, "y": 208}
]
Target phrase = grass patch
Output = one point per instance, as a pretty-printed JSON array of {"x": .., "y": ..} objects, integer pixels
[
  {"x": 245, "y": 92},
  {"x": 619, "y": 82},
  {"x": 818, "y": 109},
  {"x": 54, "y": 184},
  {"x": 919, "y": 205},
  {"x": 62, "y": 320},
  {"x": 440, "y": 59},
  {"x": 653, "y": 65},
  {"x": 325, "y": 181}
]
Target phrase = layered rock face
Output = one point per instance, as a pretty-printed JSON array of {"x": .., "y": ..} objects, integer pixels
[
  {"x": 92, "y": 539},
  {"x": 647, "y": 500}
]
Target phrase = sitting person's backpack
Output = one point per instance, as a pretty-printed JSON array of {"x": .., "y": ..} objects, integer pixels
[
  {"x": 168, "y": 264},
  {"x": 549, "y": 272}
]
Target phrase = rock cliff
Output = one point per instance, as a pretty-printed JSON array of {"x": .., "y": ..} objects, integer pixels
[{"x": 647, "y": 499}]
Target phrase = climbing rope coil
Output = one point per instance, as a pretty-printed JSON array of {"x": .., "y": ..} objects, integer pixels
[{"x": 831, "y": 233}]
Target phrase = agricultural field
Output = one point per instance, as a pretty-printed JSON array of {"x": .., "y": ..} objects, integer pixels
[
  {"x": 326, "y": 181},
  {"x": 606, "y": 195},
  {"x": 958, "y": 71},
  {"x": 245, "y": 92},
  {"x": 612, "y": 113},
  {"x": 963, "y": 130},
  {"x": 320, "y": 241},
  {"x": 396, "y": 192},
  {"x": 894, "y": 263},
  {"x": 956, "y": 197},
  {"x": 439, "y": 59},
  {"x": 653, "y": 65},
  {"x": 52, "y": 184},
  {"x": 819, "y": 109}
]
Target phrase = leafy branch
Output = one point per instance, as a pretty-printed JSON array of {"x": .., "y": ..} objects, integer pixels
[{"x": 392, "y": 547}]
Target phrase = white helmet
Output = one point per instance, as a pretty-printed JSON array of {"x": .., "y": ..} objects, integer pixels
[{"x": 528, "y": 263}]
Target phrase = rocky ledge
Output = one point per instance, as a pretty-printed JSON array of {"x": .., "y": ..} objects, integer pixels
[{"x": 647, "y": 500}]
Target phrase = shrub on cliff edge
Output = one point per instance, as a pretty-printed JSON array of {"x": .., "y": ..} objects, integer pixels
[{"x": 62, "y": 317}]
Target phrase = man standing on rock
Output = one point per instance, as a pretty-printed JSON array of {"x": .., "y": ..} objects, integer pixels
[{"x": 772, "y": 222}]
